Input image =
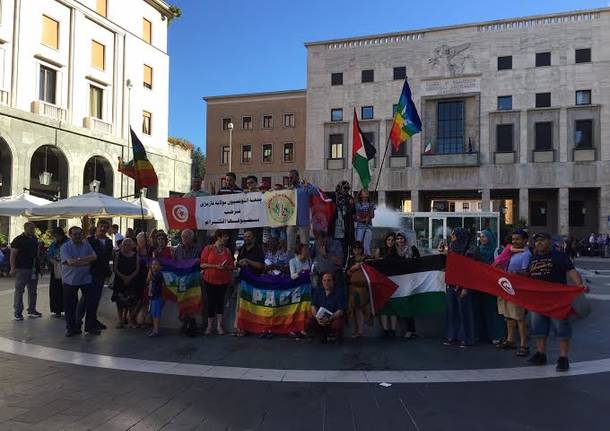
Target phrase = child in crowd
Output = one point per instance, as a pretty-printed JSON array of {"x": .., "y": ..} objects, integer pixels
[{"x": 156, "y": 284}]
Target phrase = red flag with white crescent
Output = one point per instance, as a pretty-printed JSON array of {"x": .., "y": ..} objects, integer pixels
[{"x": 180, "y": 213}]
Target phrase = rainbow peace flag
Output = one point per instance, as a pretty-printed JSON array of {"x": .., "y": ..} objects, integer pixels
[
  {"x": 273, "y": 303},
  {"x": 406, "y": 119},
  {"x": 182, "y": 284},
  {"x": 140, "y": 168}
]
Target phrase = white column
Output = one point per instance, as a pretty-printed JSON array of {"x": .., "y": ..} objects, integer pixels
[
  {"x": 381, "y": 202},
  {"x": 563, "y": 136},
  {"x": 563, "y": 210},
  {"x": 604, "y": 209},
  {"x": 524, "y": 207},
  {"x": 415, "y": 200},
  {"x": 485, "y": 200}
]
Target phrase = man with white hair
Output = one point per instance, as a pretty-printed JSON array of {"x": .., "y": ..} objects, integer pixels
[{"x": 188, "y": 248}]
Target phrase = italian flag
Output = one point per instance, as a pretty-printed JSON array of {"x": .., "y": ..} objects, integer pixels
[
  {"x": 411, "y": 287},
  {"x": 362, "y": 152}
]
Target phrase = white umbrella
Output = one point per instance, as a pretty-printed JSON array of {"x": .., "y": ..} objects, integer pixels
[
  {"x": 154, "y": 210},
  {"x": 92, "y": 204},
  {"x": 20, "y": 205}
]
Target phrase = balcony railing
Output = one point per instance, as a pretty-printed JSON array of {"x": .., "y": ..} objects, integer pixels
[
  {"x": 48, "y": 110},
  {"x": 98, "y": 125},
  {"x": 4, "y": 97}
]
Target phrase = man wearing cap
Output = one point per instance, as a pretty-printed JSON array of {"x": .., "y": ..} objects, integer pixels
[
  {"x": 513, "y": 314},
  {"x": 555, "y": 267}
]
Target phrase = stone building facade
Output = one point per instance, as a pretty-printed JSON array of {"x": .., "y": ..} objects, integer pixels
[
  {"x": 73, "y": 76},
  {"x": 268, "y": 136},
  {"x": 515, "y": 116}
]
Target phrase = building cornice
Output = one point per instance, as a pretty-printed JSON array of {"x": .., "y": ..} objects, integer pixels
[
  {"x": 162, "y": 7},
  {"x": 480, "y": 26},
  {"x": 249, "y": 96}
]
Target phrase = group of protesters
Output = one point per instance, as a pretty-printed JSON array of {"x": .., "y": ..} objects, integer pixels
[{"x": 130, "y": 266}]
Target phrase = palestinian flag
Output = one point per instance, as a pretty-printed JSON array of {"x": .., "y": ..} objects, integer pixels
[
  {"x": 411, "y": 287},
  {"x": 140, "y": 168},
  {"x": 362, "y": 152}
]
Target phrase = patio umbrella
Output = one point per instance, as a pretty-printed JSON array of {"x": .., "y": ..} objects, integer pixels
[
  {"x": 20, "y": 205},
  {"x": 93, "y": 205},
  {"x": 153, "y": 208}
]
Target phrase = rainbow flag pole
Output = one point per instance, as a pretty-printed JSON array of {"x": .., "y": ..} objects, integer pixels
[{"x": 406, "y": 124}]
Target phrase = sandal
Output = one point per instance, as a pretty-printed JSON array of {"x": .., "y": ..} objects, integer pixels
[
  {"x": 523, "y": 351},
  {"x": 506, "y": 345}
]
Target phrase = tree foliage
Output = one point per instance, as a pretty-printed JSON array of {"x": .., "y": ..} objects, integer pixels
[
  {"x": 181, "y": 142},
  {"x": 198, "y": 164}
]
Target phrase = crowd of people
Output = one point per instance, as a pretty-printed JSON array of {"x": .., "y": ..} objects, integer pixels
[{"x": 130, "y": 266}]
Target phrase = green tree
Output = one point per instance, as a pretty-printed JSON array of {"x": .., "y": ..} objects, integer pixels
[{"x": 199, "y": 164}]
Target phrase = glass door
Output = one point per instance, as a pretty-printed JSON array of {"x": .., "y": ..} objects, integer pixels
[{"x": 438, "y": 231}]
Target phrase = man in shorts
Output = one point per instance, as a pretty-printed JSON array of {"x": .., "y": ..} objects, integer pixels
[
  {"x": 513, "y": 314},
  {"x": 555, "y": 267}
]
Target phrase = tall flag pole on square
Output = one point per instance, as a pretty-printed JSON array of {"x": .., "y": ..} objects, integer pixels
[
  {"x": 362, "y": 152},
  {"x": 406, "y": 119},
  {"x": 140, "y": 168}
]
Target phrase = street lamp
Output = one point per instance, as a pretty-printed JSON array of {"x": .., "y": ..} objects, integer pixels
[{"x": 230, "y": 128}]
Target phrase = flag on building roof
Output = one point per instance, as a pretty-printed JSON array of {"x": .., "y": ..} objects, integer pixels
[
  {"x": 362, "y": 152},
  {"x": 411, "y": 287},
  {"x": 406, "y": 119},
  {"x": 140, "y": 168}
]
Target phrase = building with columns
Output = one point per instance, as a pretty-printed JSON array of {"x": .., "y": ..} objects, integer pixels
[
  {"x": 515, "y": 113},
  {"x": 74, "y": 74}
]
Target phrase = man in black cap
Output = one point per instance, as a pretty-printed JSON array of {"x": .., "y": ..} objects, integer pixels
[{"x": 553, "y": 266}]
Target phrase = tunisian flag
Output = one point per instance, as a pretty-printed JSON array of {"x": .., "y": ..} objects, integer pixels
[
  {"x": 179, "y": 213},
  {"x": 549, "y": 299}
]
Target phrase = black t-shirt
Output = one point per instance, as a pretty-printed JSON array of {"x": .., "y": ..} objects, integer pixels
[
  {"x": 27, "y": 256},
  {"x": 551, "y": 267},
  {"x": 100, "y": 268},
  {"x": 255, "y": 254}
]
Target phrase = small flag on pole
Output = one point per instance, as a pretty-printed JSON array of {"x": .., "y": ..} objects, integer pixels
[
  {"x": 140, "y": 168},
  {"x": 362, "y": 152},
  {"x": 406, "y": 119},
  {"x": 428, "y": 147}
]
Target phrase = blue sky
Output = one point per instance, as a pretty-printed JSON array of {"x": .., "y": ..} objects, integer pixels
[{"x": 242, "y": 46}]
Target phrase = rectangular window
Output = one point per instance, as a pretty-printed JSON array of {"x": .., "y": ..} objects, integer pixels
[
  {"x": 543, "y": 100},
  {"x": 465, "y": 206},
  {"x": 266, "y": 182},
  {"x": 267, "y": 153},
  {"x": 370, "y": 136},
  {"x": 505, "y": 103},
  {"x": 538, "y": 212},
  {"x": 394, "y": 108},
  {"x": 402, "y": 150},
  {"x": 450, "y": 127},
  {"x": 336, "y": 146},
  {"x": 583, "y": 134},
  {"x": 544, "y": 136},
  {"x": 504, "y": 138},
  {"x": 50, "y": 32},
  {"x": 368, "y": 75},
  {"x": 101, "y": 7},
  {"x": 146, "y": 123},
  {"x": 505, "y": 62},
  {"x": 47, "y": 91},
  {"x": 366, "y": 113},
  {"x": 246, "y": 123},
  {"x": 224, "y": 155},
  {"x": 246, "y": 153},
  {"x": 336, "y": 79},
  {"x": 289, "y": 152},
  {"x": 226, "y": 124},
  {"x": 98, "y": 55},
  {"x": 146, "y": 31},
  {"x": 577, "y": 213},
  {"x": 336, "y": 114},
  {"x": 96, "y": 101},
  {"x": 543, "y": 59},
  {"x": 148, "y": 77},
  {"x": 400, "y": 72},
  {"x": 583, "y": 55},
  {"x": 267, "y": 121},
  {"x": 288, "y": 120},
  {"x": 583, "y": 97},
  {"x": 286, "y": 181}
]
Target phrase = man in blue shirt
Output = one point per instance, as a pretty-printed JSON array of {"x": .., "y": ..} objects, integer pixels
[
  {"x": 555, "y": 267},
  {"x": 304, "y": 192},
  {"x": 76, "y": 257},
  {"x": 328, "y": 309}
]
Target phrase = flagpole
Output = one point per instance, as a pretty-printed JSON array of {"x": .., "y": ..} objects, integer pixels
[{"x": 387, "y": 145}]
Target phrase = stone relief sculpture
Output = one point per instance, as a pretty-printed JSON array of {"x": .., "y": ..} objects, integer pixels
[{"x": 450, "y": 61}]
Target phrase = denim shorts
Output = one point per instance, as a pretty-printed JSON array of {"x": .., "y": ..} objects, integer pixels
[
  {"x": 154, "y": 308},
  {"x": 541, "y": 326}
]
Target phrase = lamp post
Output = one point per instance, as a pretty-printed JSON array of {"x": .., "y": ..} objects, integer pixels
[{"x": 230, "y": 128}]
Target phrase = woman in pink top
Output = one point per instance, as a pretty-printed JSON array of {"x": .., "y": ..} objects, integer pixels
[{"x": 217, "y": 266}]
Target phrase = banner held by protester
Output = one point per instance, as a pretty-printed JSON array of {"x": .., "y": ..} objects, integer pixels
[{"x": 183, "y": 284}]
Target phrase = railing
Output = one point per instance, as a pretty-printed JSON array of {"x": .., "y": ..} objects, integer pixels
[
  {"x": 98, "y": 125},
  {"x": 48, "y": 110},
  {"x": 4, "y": 97}
]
